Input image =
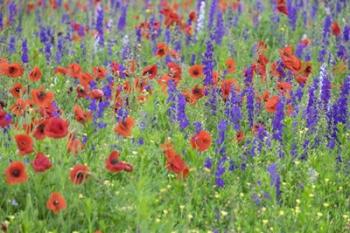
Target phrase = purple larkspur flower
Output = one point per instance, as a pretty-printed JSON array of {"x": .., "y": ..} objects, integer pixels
[
  {"x": 212, "y": 100},
  {"x": 25, "y": 58},
  {"x": 292, "y": 14},
  {"x": 275, "y": 179},
  {"x": 314, "y": 9},
  {"x": 325, "y": 87},
  {"x": 12, "y": 11},
  {"x": 122, "y": 18},
  {"x": 341, "y": 109},
  {"x": 208, "y": 163},
  {"x": 220, "y": 28},
  {"x": 346, "y": 33},
  {"x": 172, "y": 94},
  {"x": 12, "y": 45},
  {"x": 198, "y": 126},
  {"x": 181, "y": 111},
  {"x": 208, "y": 64},
  {"x": 311, "y": 113},
  {"x": 212, "y": 12},
  {"x": 277, "y": 123},
  {"x": 1, "y": 21},
  {"x": 221, "y": 129},
  {"x": 250, "y": 105},
  {"x": 99, "y": 26}
]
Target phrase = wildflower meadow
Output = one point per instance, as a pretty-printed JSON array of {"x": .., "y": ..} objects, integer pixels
[{"x": 183, "y": 116}]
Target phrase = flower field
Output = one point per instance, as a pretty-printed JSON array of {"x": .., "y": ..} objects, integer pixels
[{"x": 174, "y": 116}]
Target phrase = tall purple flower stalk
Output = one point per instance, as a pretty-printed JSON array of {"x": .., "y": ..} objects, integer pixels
[
  {"x": 325, "y": 87},
  {"x": 275, "y": 180},
  {"x": 325, "y": 38},
  {"x": 220, "y": 171},
  {"x": 122, "y": 19},
  {"x": 212, "y": 12},
  {"x": 212, "y": 100},
  {"x": 172, "y": 94},
  {"x": 341, "y": 113},
  {"x": 250, "y": 104},
  {"x": 346, "y": 33},
  {"x": 99, "y": 26},
  {"x": 220, "y": 28},
  {"x": 233, "y": 109},
  {"x": 1, "y": 21},
  {"x": 208, "y": 64},
  {"x": 59, "y": 50},
  {"x": 25, "y": 58},
  {"x": 12, "y": 45},
  {"x": 181, "y": 112},
  {"x": 12, "y": 11},
  {"x": 311, "y": 113},
  {"x": 220, "y": 141},
  {"x": 314, "y": 9},
  {"x": 277, "y": 123},
  {"x": 292, "y": 14}
]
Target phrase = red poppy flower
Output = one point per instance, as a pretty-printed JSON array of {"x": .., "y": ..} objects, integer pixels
[
  {"x": 174, "y": 162},
  {"x": 230, "y": 65},
  {"x": 35, "y": 75},
  {"x": 96, "y": 94},
  {"x": 39, "y": 130},
  {"x": 17, "y": 90},
  {"x": 271, "y": 104},
  {"x": 240, "y": 136},
  {"x": 42, "y": 98},
  {"x": 215, "y": 77},
  {"x": 189, "y": 97},
  {"x": 306, "y": 69},
  {"x": 197, "y": 92},
  {"x": 162, "y": 49},
  {"x": 41, "y": 163},
  {"x": 19, "y": 107},
  {"x": 192, "y": 16},
  {"x": 74, "y": 145},
  {"x": 56, "y": 128},
  {"x": 282, "y": 6},
  {"x": 163, "y": 82},
  {"x": 264, "y": 97},
  {"x": 81, "y": 92},
  {"x": 301, "y": 80},
  {"x": 80, "y": 115},
  {"x": 61, "y": 70},
  {"x": 226, "y": 87},
  {"x": 13, "y": 70},
  {"x": 274, "y": 71},
  {"x": 85, "y": 79},
  {"x": 79, "y": 174},
  {"x": 113, "y": 164},
  {"x": 151, "y": 71},
  {"x": 335, "y": 29},
  {"x": 284, "y": 87},
  {"x": 74, "y": 70},
  {"x": 289, "y": 109},
  {"x": 24, "y": 144},
  {"x": 175, "y": 72},
  {"x": 124, "y": 126},
  {"x": 196, "y": 71},
  {"x": 290, "y": 60},
  {"x": 201, "y": 141},
  {"x": 56, "y": 202},
  {"x": 100, "y": 72},
  {"x": 16, "y": 173}
]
